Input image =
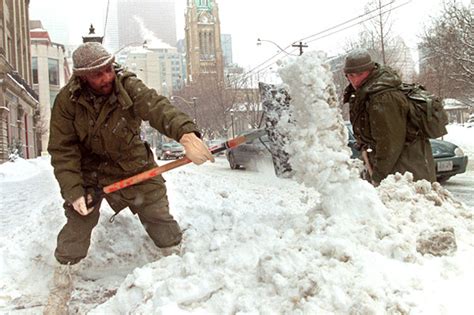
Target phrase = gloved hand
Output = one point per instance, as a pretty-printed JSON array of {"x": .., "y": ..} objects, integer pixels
[
  {"x": 80, "y": 205},
  {"x": 195, "y": 149}
]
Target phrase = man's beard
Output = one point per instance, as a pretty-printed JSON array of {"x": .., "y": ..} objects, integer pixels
[{"x": 105, "y": 89}]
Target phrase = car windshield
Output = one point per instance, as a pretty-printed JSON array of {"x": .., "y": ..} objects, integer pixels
[
  {"x": 171, "y": 145},
  {"x": 258, "y": 141}
]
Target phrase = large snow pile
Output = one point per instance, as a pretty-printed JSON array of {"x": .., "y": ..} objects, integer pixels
[
  {"x": 328, "y": 243},
  {"x": 352, "y": 250}
]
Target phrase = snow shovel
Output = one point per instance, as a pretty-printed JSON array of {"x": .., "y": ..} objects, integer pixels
[{"x": 232, "y": 143}]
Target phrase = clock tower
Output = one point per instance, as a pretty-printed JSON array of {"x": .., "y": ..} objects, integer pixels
[{"x": 203, "y": 40}]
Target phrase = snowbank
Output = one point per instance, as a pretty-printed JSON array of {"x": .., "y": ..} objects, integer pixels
[{"x": 328, "y": 243}]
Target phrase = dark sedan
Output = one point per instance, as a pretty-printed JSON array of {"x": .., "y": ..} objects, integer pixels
[
  {"x": 449, "y": 158},
  {"x": 249, "y": 153},
  {"x": 169, "y": 150}
]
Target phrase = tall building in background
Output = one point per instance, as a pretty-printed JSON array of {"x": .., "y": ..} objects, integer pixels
[
  {"x": 50, "y": 73},
  {"x": 111, "y": 37},
  {"x": 203, "y": 40},
  {"x": 18, "y": 101},
  {"x": 226, "y": 40},
  {"x": 157, "y": 64},
  {"x": 136, "y": 18}
]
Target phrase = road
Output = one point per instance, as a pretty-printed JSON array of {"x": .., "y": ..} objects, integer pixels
[{"x": 462, "y": 186}]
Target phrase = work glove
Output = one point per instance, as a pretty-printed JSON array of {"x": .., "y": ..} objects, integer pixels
[
  {"x": 195, "y": 149},
  {"x": 80, "y": 205}
]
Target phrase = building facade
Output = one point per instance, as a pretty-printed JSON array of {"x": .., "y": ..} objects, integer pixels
[
  {"x": 157, "y": 64},
  {"x": 203, "y": 40},
  {"x": 19, "y": 107},
  {"x": 50, "y": 73}
]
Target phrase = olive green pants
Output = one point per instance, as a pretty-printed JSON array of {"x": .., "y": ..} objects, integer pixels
[{"x": 148, "y": 200}]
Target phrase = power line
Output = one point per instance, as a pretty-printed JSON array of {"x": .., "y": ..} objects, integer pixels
[
  {"x": 302, "y": 39},
  {"x": 254, "y": 69},
  {"x": 365, "y": 20},
  {"x": 339, "y": 25},
  {"x": 348, "y": 21}
]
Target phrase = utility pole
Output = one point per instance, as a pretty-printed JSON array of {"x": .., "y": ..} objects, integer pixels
[
  {"x": 300, "y": 46},
  {"x": 232, "y": 122},
  {"x": 195, "y": 112}
]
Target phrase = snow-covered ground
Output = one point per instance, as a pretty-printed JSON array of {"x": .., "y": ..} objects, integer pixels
[{"x": 325, "y": 242}]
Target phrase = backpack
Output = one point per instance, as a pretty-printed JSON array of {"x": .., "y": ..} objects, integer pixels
[{"x": 426, "y": 111}]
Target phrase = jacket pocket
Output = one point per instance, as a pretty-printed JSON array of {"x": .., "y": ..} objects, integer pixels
[
  {"x": 135, "y": 158},
  {"x": 122, "y": 131}
]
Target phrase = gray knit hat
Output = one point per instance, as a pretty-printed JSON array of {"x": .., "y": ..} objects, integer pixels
[
  {"x": 358, "y": 61},
  {"x": 89, "y": 57}
]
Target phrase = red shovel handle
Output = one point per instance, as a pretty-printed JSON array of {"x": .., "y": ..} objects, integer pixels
[
  {"x": 166, "y": 167},
  {"x": 145, "y": 175}
]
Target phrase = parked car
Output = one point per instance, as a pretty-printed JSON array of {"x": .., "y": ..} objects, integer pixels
[
  {"x": 169, "y": 150},
  {"x": 249, "y": 153},
  {"x": 449, "y": 158}
]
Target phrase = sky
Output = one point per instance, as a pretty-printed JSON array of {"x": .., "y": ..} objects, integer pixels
[
  {"x": 282, "y": 22},
  {"x": 323, "y": 242}
]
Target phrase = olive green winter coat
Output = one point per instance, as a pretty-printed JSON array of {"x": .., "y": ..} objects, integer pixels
[
  {"x": 379, "y": 117},
  {"x": 94, "y": 146}
]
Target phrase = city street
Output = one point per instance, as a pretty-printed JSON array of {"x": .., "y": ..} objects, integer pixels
[{"x": 462, "y": 186}]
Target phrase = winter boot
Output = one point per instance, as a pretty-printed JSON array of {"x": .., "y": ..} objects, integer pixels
[{"x": 60, "y": 291}]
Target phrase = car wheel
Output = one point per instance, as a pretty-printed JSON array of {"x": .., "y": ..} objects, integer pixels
[
  {"x": 232, "y": 163},
  {"x": 443, "y": 179}
]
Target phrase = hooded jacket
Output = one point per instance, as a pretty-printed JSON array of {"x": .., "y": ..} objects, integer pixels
[
  {"x": 379, "y": 117},
  {"x": 94, "y": 146}
]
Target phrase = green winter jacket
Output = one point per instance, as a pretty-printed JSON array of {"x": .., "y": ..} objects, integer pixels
[
  {"x": 92, "y": 147},
  {"x": 379, "y": 117}
]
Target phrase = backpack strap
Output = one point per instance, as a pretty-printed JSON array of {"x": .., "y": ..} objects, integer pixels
[{"x": 429, "y": 108}]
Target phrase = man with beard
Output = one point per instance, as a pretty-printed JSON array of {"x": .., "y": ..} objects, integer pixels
[{"x": 94, "y": 142}]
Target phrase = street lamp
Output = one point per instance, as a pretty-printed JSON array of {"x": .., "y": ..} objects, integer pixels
[
  {"x": 259, "y": 43},
  {"x": 194, "y": 98},
  {"x": 232, "y": 122},
  {"x": 143, "y": 44},
  {"x": 192, "y": 104}
]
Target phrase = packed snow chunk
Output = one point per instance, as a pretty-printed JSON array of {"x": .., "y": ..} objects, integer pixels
[
  {"x": 437, "y": 243},
  {"x": 347, "y": 199}
]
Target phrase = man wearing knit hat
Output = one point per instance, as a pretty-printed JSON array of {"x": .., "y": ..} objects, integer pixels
[
  {"x": 388, "y": 141},
  {"x": 95, "y": 141}
]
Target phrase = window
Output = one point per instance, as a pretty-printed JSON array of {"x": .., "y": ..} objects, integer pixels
[
  {"x": 53, "y": 71},
  {"x": 34, "y": 66},
  {"x": 10, "y": 51}
]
